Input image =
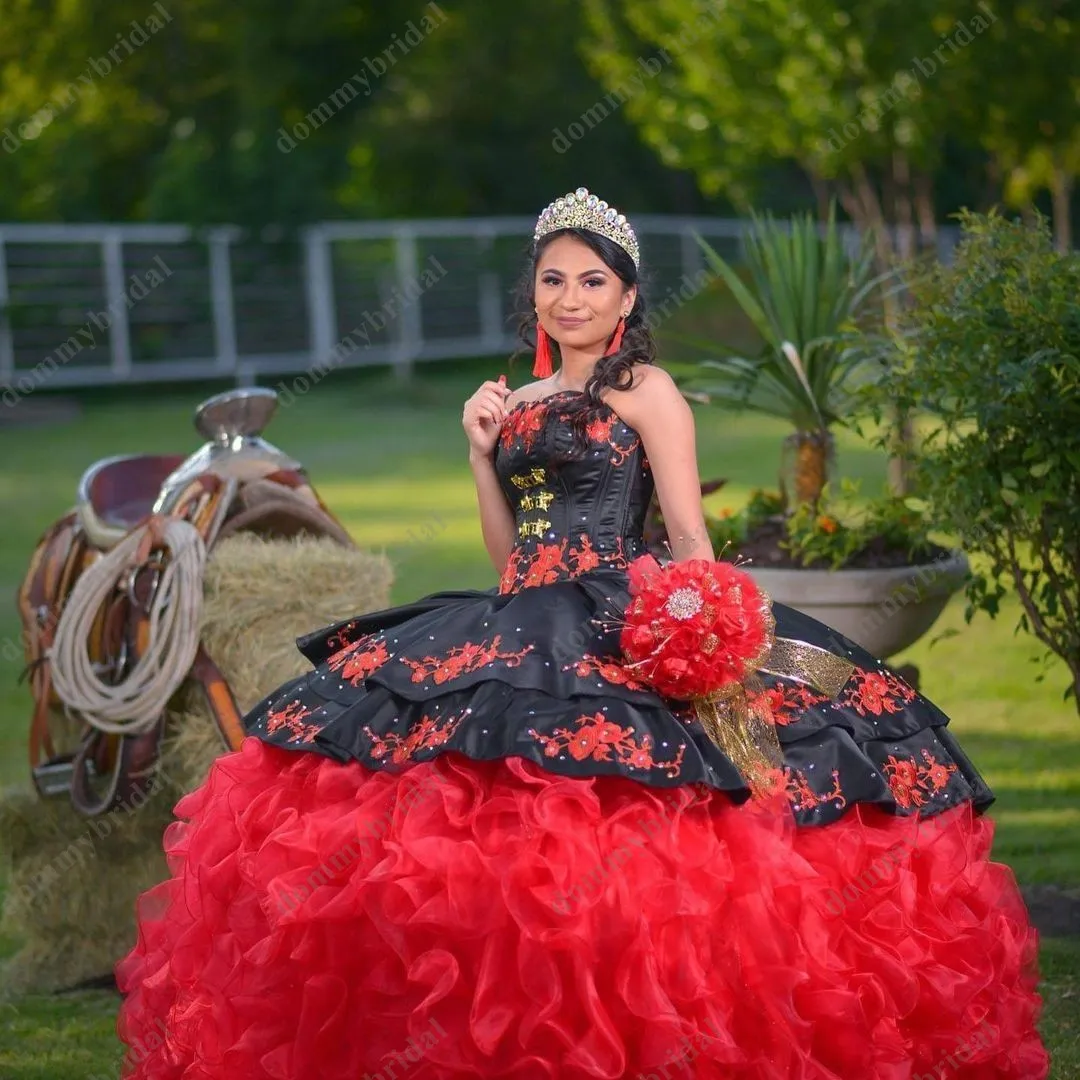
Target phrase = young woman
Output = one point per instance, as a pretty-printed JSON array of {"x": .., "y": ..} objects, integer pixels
[{"x": 470, "y": 842}]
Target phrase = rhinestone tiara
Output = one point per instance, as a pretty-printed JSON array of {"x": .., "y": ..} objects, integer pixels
[{"x": 582, "y": 210}]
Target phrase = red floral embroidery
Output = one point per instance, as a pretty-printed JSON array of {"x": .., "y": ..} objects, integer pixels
[
  {"x": 877, "y": 692},
  {"x": 548, "y": 563},
  {"x": 612, "y": 672},
  {"x": 544, "y": 565},
  {"x": 587, "y": 559},
  {"x": 803, "y": 797},
  {"x": 427, "y": 733},
  {"x": 584, "y": 556},
  {"x": 618, "y": 557},
  {"x": 621, "y": 453},
  {"x": 599, "y": 429},
  {"x": 292, "y": 717},
  {"x": 340, "y": 639},
  {"x": 912, "y": 783},
  {"x": 641, "y": 758},
  {"x": 541, "y": 566},
  {"x": 602, "y": 431},
  {"x": 785, "y": 703},
  {"x": 356, "y": 663},
  {"x": 460, "y": 661},
  {"x": 524, "y": 422},
  {"x": 512, "y": 570},
  {"x": 599, "y": 739}
]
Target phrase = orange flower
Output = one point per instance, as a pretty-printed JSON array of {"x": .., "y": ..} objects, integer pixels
[{"x": 827, "y": 524}]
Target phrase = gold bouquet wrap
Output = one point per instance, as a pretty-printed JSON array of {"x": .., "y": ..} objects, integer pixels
[{"x": 745, "y": 731}]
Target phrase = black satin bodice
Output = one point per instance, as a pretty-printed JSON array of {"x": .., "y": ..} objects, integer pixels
[{"x": 572, "y": 515}]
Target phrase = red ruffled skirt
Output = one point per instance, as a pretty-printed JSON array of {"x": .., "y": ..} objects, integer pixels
[{"x": 492, "y": 919}]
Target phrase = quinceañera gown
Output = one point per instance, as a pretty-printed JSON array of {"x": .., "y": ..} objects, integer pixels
[{"x": 468, "y": 843}]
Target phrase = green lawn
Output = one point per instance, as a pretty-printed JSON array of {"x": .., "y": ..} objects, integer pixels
[{"x": 390, "y": 460}]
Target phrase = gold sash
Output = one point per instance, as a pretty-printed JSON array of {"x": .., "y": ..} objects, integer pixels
[{"x": 745, "y": 731}]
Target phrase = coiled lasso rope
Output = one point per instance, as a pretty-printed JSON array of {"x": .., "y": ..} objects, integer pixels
[{"x": 134, "y": 706}]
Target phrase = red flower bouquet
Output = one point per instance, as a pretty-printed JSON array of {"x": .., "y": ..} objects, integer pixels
[
  {"x": 697, "y": 631},
  {"x": 694, "y": 628}
]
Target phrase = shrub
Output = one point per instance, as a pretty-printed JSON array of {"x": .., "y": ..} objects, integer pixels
[{"x": 989, "y": 351}]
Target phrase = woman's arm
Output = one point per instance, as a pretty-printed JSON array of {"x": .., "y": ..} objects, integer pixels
[
  {"x": 482, "y": 419},
  {"x": 659, "y": 413},
  {"x": 496, "y": 517}
]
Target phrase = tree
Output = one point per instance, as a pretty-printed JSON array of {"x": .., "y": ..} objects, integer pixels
[
  {"x": 867, "y": 99},
  {"x": 1030, "y": 121},
  {"x": 836, "y": 88},
  {"x": 109, "y": 119},
  {"x": 486, "y": 117},
  {"x": 253, "y": 112}
]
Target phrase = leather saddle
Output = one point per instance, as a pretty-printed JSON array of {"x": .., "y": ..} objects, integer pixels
[
  {"x": 235, "y": 483},
  {"x": 117, "y": 493}
]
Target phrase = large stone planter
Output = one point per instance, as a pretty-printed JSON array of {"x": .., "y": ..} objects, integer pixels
[{"x": 884, "y": 611}]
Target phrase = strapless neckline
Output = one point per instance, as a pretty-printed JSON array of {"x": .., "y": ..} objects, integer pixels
[{"x": 552, "y": 397}]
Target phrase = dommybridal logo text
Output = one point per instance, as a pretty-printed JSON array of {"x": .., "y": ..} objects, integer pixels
[
  {"x": 689, "y": 33},
  {"x": 30, "y": 129}
]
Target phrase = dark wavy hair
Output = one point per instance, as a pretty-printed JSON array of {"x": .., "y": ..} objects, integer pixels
[{"x": 613, "y": 371}]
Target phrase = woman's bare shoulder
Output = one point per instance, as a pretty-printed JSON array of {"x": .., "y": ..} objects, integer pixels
[
  {"x": 653, "y": 376},
  {"x": 649, "y": 384}
]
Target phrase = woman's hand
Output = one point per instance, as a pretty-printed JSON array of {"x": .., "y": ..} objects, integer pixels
[{"x": 483, "y": 415}]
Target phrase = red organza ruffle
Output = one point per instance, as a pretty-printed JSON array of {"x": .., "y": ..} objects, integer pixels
[{"x": 491, "y": 919}]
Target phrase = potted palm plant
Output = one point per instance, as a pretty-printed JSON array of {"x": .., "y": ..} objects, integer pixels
[{"x": 866, "y": 568}]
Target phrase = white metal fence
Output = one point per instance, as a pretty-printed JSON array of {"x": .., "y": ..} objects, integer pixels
[{"x": 86, "y": 305}]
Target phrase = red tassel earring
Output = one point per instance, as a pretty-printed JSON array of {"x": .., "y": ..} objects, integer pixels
[
  {"x": 616, "y": 341},
  {"x": 542, "y": 367}
]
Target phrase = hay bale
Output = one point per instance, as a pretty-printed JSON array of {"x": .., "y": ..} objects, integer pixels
[
  {"x": 260, "y": 596},
  {"x": 72, "y": 881},
  {"x": 72, "y": 885}
]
